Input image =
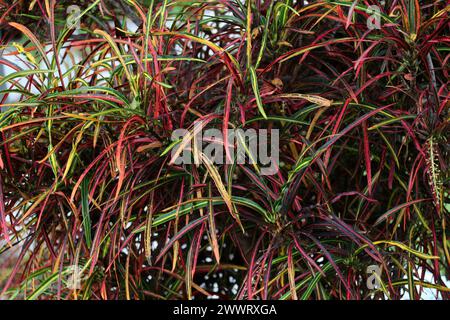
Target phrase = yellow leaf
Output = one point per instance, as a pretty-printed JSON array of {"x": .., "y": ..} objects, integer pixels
[
  {"x": 406, "y": 248},
  {"x": 309, "y": 97}
]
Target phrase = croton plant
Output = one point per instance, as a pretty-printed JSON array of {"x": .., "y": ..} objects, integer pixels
[{"x": 93, "y": 205}]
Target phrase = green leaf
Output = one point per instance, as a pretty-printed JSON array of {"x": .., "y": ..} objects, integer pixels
[
  {"x": 85, "y": 211},
  {"x": 255, "y": 87}
]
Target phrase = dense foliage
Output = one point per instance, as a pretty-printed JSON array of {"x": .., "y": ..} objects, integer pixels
[{"x": 86, "y": 176}]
